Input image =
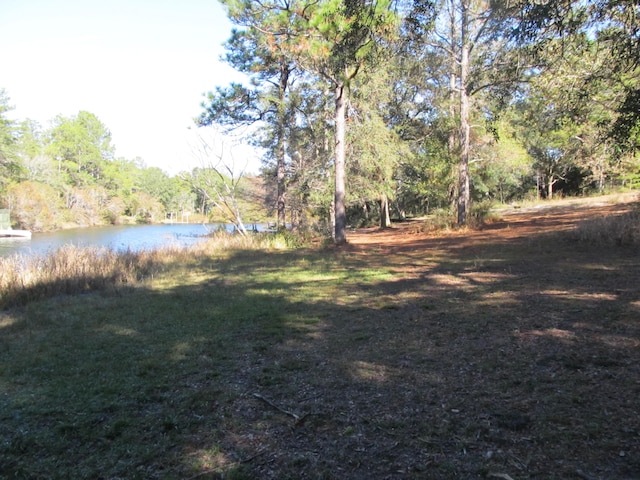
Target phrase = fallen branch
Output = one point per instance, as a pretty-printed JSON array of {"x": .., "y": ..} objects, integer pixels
[
  {"x": 298, "y": 419},
  {"x": 503, "y": 476},
  {"x": 388, "y": 449},
  {"x": 253, "y": 457},
  {"x": 585, "y": 476}
]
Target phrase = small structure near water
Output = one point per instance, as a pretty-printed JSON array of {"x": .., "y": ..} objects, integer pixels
[{"x": 5, "y": 227}]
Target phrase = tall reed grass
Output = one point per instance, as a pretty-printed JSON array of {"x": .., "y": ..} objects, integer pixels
[
  {"x": 72, "y": 270},
  {"x": 69, "y": 270},
  {"x": 620, "y": 230}
]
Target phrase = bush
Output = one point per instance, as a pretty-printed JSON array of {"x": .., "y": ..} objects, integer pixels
[
  {"x": 439, "y": 219},
  {"x": 481, "y": 213}
]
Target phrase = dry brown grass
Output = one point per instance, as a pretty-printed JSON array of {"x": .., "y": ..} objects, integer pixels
[
  {"x": 72, "y": 269},
  {"x": 613, "y": 230}
]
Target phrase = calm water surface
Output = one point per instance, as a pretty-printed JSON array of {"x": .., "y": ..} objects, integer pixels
[{"x": 118, "y": 237}]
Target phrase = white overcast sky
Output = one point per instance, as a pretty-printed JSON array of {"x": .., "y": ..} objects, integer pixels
[{"x": 141, "y": 66}]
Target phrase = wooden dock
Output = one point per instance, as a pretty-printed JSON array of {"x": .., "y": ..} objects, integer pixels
[
  {"x": 9, "y": 232},
  {"x": 5, "y": 227}
]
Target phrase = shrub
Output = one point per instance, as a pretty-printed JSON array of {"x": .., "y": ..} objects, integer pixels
[{"x": 481, "y": 213}]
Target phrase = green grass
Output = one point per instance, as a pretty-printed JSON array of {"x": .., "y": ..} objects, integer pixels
[{"x": 130, "y": 383}]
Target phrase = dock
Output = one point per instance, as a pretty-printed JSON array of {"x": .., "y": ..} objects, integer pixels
[
  {"x": 9, "y": 232},
  {"x": 5, "y": 227}
]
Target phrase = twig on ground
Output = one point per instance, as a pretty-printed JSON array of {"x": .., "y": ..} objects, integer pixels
[
  {"x": 585, "y": 476},
  {"x": 388, "y": 449},
  {"x": 504, "y": 476},
  {"x": 202, "y": 474},
  {"x": 253, "y": 457},
  {"x": 298, "y": 419}
]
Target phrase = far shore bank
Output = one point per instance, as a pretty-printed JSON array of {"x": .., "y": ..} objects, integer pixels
[{"x": 125, "y": 220}]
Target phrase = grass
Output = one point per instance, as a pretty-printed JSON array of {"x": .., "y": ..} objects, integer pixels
[
  {"x": 463, "y": 355},
  {"x": 611, "y": 231},
  {"x": 73, "y": 270},
  {"x": 108, "y": 384}
]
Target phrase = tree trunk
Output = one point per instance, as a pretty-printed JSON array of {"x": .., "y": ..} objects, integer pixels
[
  {"x": 340, "y": 235},
  {"x": 538, "y": 184},
  {"x": 280, "y": 178},
  {"x": 464, "y": 195},
  {"x": 385, "y": 219},
  {"x": 451, "y": 144},
  {"x": 332, "y": 218},
  {"x": 280, "y": 147},
  {"x": 453, "y": 76}
]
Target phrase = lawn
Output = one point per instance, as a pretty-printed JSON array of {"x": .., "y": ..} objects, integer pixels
[{"x": 509, "y": 351}]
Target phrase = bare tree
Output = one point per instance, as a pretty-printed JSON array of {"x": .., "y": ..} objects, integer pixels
[{"x": 218, "y": 178}]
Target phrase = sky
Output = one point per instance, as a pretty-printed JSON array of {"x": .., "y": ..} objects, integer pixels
[{"x": 141, "y": 66}]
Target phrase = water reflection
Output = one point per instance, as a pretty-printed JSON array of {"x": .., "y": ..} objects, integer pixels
[{"x": 118, "y": 237}]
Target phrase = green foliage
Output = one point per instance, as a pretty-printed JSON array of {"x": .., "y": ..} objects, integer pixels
[
  {"x": 9, "y": 167},
  {"x": 393, "y": 69},
  {"x": 560, "y": 121},
  {"x": 67, "y": 175},
  {"x": 344, "y": 35},
  {"x": 426, "y": 179},
  {"x": 35, "y": 165},
  {"x": 439, "y": 219},
  {"x": 231, "y": 106},
  {"x": 504, "y": 171},
  {"x": 153, "y": 181},
  {"x": 625, "y": 130},
  {"x": 375, "y": 150},
  {"x": 6, "y": 128},
  {"x": 629, "y": 167},
  {"x": 481, "y": 213},
  {"x": 145, "y": 208},
  {"x": 80, "y": 145},
  {"x": 260, "y": 52}
]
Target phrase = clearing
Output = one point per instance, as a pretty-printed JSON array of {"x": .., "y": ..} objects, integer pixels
[{"x": 512, "y": 351}]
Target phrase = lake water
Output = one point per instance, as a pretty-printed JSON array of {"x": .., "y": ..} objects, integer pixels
[{"x": 117, "y": 237}]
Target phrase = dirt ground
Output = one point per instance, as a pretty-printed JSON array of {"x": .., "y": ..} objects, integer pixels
[
  {"x": 512, "y": 223},
  {"x": 511, "y": 351}
]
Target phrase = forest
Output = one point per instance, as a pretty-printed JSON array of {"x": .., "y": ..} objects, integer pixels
[
  {"x": 67, "y": 175},
  {"x": 367, "y": 111}
]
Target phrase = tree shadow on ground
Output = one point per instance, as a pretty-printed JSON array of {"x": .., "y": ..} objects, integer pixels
[
  {"x": 523, "y": 361},
  {"x": 438, "y": 358}
]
